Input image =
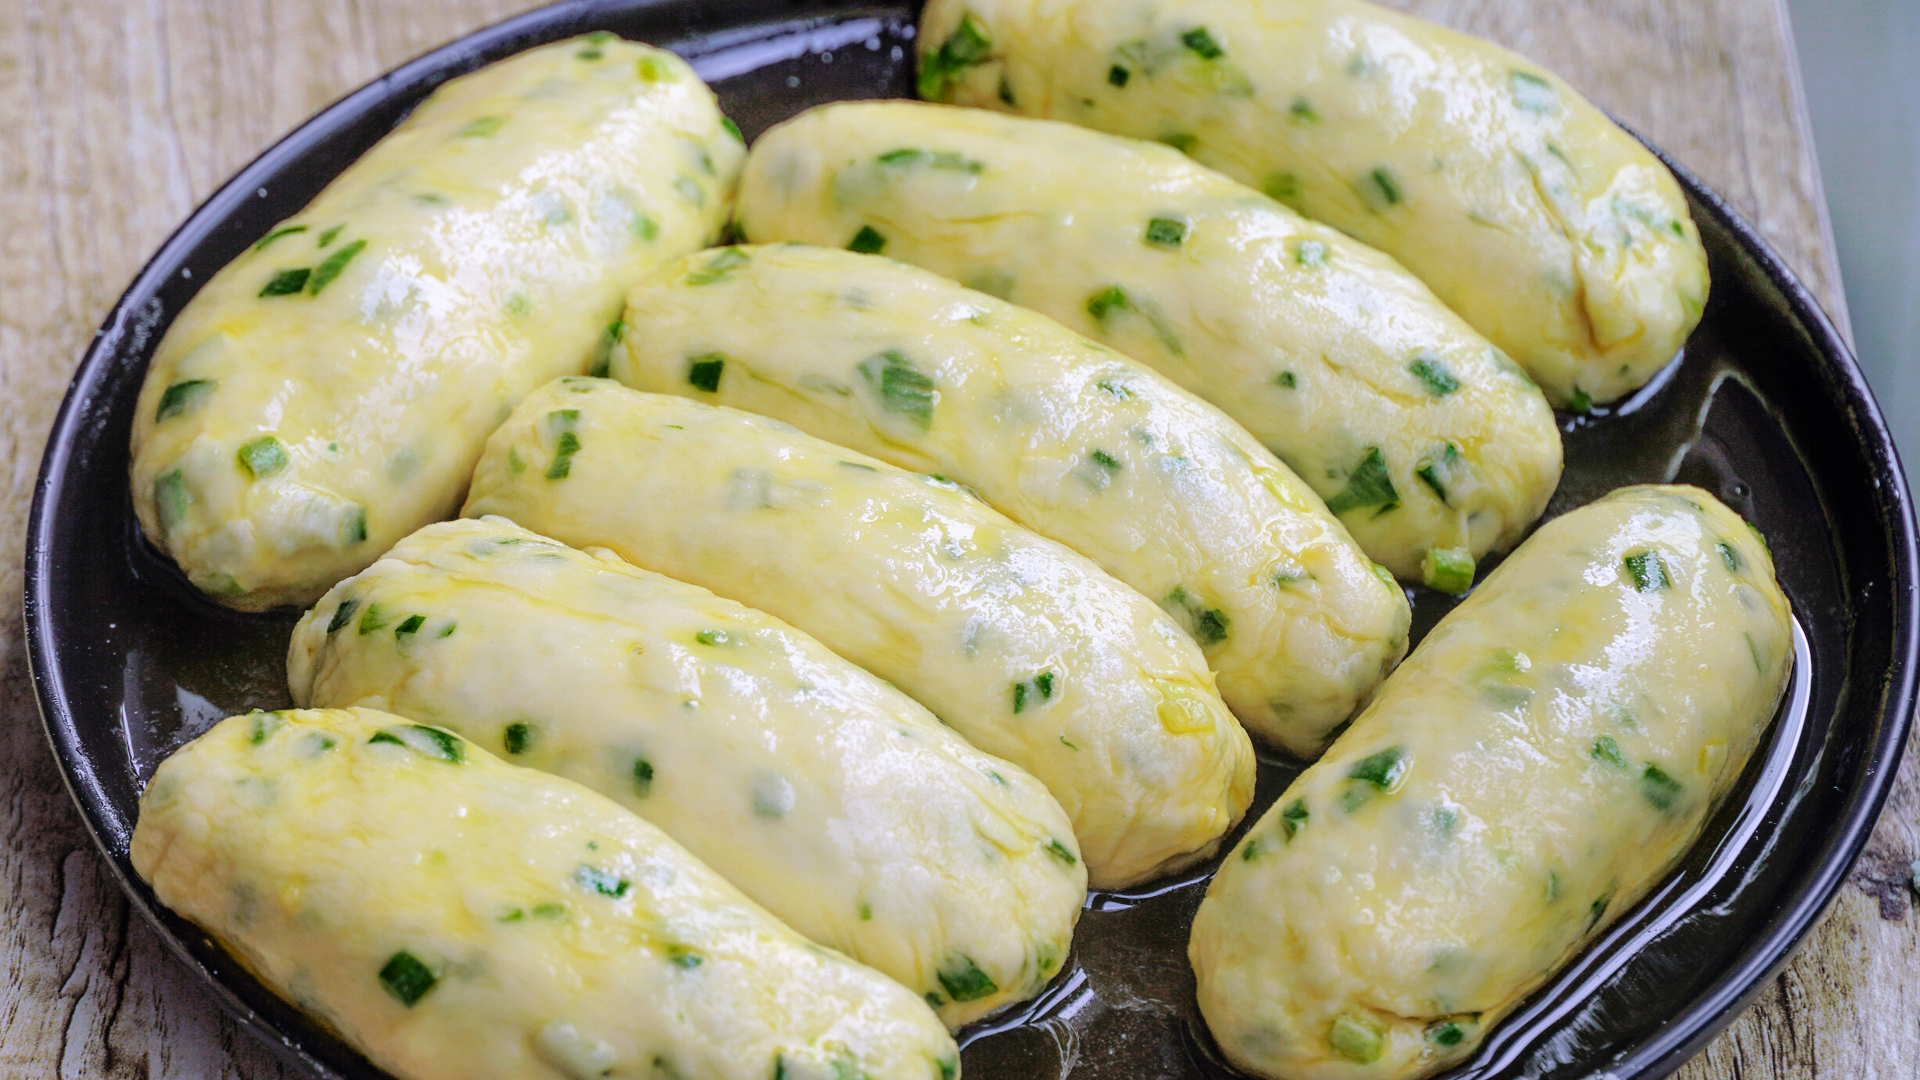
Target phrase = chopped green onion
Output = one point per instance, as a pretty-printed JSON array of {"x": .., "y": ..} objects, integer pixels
[
  {"x": 1383, "y": 770},
  {"x": 643, "y": 226},
  {"x": 684, "y": 958},
  {"x": 966, "y": 47},
  {"x": 1730, "y": 555},
  {"x": 1580, "y": 401},
  {"x": 1281, "y": 187},
  {"x": 262, "y": 457},
  {"x": 867, "y": 241},
  {"x": 1060, "y": 852},
  {"x": 1648, "y": 571},
  {"x": 719, "y": 267},
  {"x": 481, "y": 127},
  {"x": 732, "y": 128},
  {"x": 411, "y": 626},
  {"x": 963, "y": 980},
  {"x": 1531, "y": 93},
  {"x": 1166, "y": 232},
  {"x": 1447, "y": 570},
  {"x": 264, "y": 725},
  {"x": 406, "y": 978},
  {"x": 1661, "y": 790},
  {"x": 1445, "y": 1033},
  {"x": 715, "y": 637},
  {"x": 1383, "y": 190},
  {"x": 287, "y": 282},
  {"x": 600, "y": 881},
  {"x": 950, "y": 160},
  {"x": 901, "y": 388},
  {"x": 1356, "y": 1038},
  {"x": 1207, "y": 625},
  {"x": 1605, "y": 749},
  {"x": 1301, "y": 112},
  {"x": 1181, "y": 141},
  {"x": 1598, "y": 909},
  {"x": 518, "y": 738},
  {"x": 373, "y": 619},
  {"x": 327, "y": 237},
  {"x": 602, "y": 359},
  {"x": 1105, "y": 460},
  {"x": 277, "y": 234},
  {"x": 342, "y": 615},
  {"x": 1118, "y": 76},
  {"x": 1286, "y": 379},
  {"x": 356, "y": 530},
  {"x": 1251, "y": 849},
  {"x": 642, "y": 777},
  {"x": 1202, "y": 44},
  {"x": 1005, "y": 93},
  {"x": 1367, "y": 485},
  {"x": 1432, "y": 372},
  {"x": 421, "y": 739},
  {"x": 184, "y": 396},
  {"x": 1294, "y": 818},
  {"x": 1107, "y": 301},
  {"x": 703, "y": 372},
  {"x": 1311, "y": 253},
  {"x": 324, "y": 274}
]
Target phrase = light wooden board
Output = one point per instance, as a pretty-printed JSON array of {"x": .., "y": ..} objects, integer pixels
[{"x": 120, "y": 116}]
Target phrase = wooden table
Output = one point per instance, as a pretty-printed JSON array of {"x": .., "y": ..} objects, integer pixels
[{"x": 117, "y": 118}]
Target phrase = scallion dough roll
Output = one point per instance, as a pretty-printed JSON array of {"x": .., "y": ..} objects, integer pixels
[
  {"x": 456, "y": 917},
  {"x": 328, "y": 392},
  {"x": 1024, "y": 647},
  {"x": 826, "y": 795},
  {"x": 1543, "y": 759},
  {"x": 1528, "y": 211},
  {"x": 1427, "y": 442},
  {"x": 1063, "y": 435}
]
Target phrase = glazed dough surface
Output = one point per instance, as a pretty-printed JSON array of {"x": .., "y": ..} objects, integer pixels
[
  {"x": 1024, "y": 647},
  {"x": 1539, "y": 763},
  {"x": 328, "y": 391},
  {"x": 827, "y": 796},
  {"x": 1064, "y": 436},
  {"x": 1539, "y": 220},
  {"x": 1418, "y": 432},
  {"x": 456, "y": 917}
]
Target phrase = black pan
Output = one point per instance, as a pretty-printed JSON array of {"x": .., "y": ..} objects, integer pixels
[{"x": 1765, "y": 408}]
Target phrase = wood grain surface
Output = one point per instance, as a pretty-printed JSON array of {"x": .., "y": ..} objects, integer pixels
[{"x": 117, "y": 117}]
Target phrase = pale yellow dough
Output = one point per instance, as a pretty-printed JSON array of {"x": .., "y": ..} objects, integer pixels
[
  {"x": 458, "y": 918},
  {"x": 1551, "y": 230},
  {"x": 1332, "y": 355},
  {"x": 328, "y": 392},
  {"x": 1027, "y": 649},
  {"x": 1063, "y": 435},
  {"x": 1544, "y": 758},
  {"x": 827, "y": 796}
]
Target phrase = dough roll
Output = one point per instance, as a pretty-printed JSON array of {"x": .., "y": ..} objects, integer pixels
[
  {"x": 1428, "y": 443},
  {"x": 1027, "y": 649},
  {"x": 329, "y": 390},
  {"x": 456, "y": 917},
  {"x": 1064, "y": 436},
  {"x": 1539, "y": 763},
  {"x": 828, "y": 797},
  {"x": 1551, "y": 230}
]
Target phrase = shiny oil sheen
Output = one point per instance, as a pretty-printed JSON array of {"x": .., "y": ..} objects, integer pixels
[
  {"x": 1419, "y": 433},
  {"x": 1525, "y": 208},
  {"x": 827, "y": 796},
  {"x": 1071, "y": 439}
]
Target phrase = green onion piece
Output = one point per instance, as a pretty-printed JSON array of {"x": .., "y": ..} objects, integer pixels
[
  {"x": 1367, "y": 485},
  {"x": 866, "y": 911},
  {"x": 562, "y": 464},
  {"x": 602, "y": 882},
  {"x": 1118, "y": 76},
  {"x": 703, "y": 372},
  {"x": 714, "y": 637},
  {"x": 967, "y": 46},
  {"x": 1661, "y": 790},
  {"x": 287, "y": 282},
  {"x": 1433, "y": 373},
  {"x": 277, "y": 234},
  {"x": 1105, "y": 460},
  {"x": 1383, "y": 189},
  {"x": 719, "y": 267},
  {"x": 406, "y": 978},
  {"x": 327, "y": 237},
  {"x": 324, "y": 274},
  {"x": 342, "y": 615},
  {"x": 1166, "y": 232},
  {"x": 1202, "y": 44},
  {"x": 950, "y": 1067},
  {"x": 1060, "y": 851},
  {"x": 867, "y": 241},
  {"x": 1356, "y": 1038},
  {"x": 411, "y": 626},
  {"x": 683, "y": 957},
  {"x": 1447, "y": 570},
  {"x": 1019, "y": 698},
  {"x": 1730, "y": 555},
  {"x": 1043, "y": 682},
  {"x": 518, "y": 737},
  {"x": 1005, "y": 92},
  {"x": 642, "y": 777},
  {"x": 644, "y": 227},
  {"x": 262, "y": 457},
  {"x": 1294, "y": 818},
  {"x": 480, "y": 127},
  {"x": 1383, "y": 770},
  {"x": 1281, "y": 187},
  {"x": 1311, "y": 253},
  {"x": 1301, "y": 112},
  {"x": 602, "y": 357},
  {"x": 1107, "y": 301},
  {"x": 1445, "y": 1033},
  {"x": 1598, "y": 909},
  {"x": 183, "y": 397},
  {"x": 650, "y": 69},
  {"x": 356, "y": 530},
  {"x": 1605, "y": 749},
  {"x": 732, "y": 129},
  {"x": 1648, "y": 571},
  {"x": 421, "y": 739},
  {"x": 1207, "y": 625},
  {"x": 1430, "y": 476},
  {"x": 1580, "y": 401},
  {"x": 373, "y": 619},
  {"x": 1180, "y": 141},
  {"x": 1531, "y": 93},
  {"x": 901, "y": 387},
  {"x": 1251, "y": 849},
  {"x": 963, "y": 980},
  {"x": 1286, "y": 379},
  {"x": 264, "y": 725}
]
